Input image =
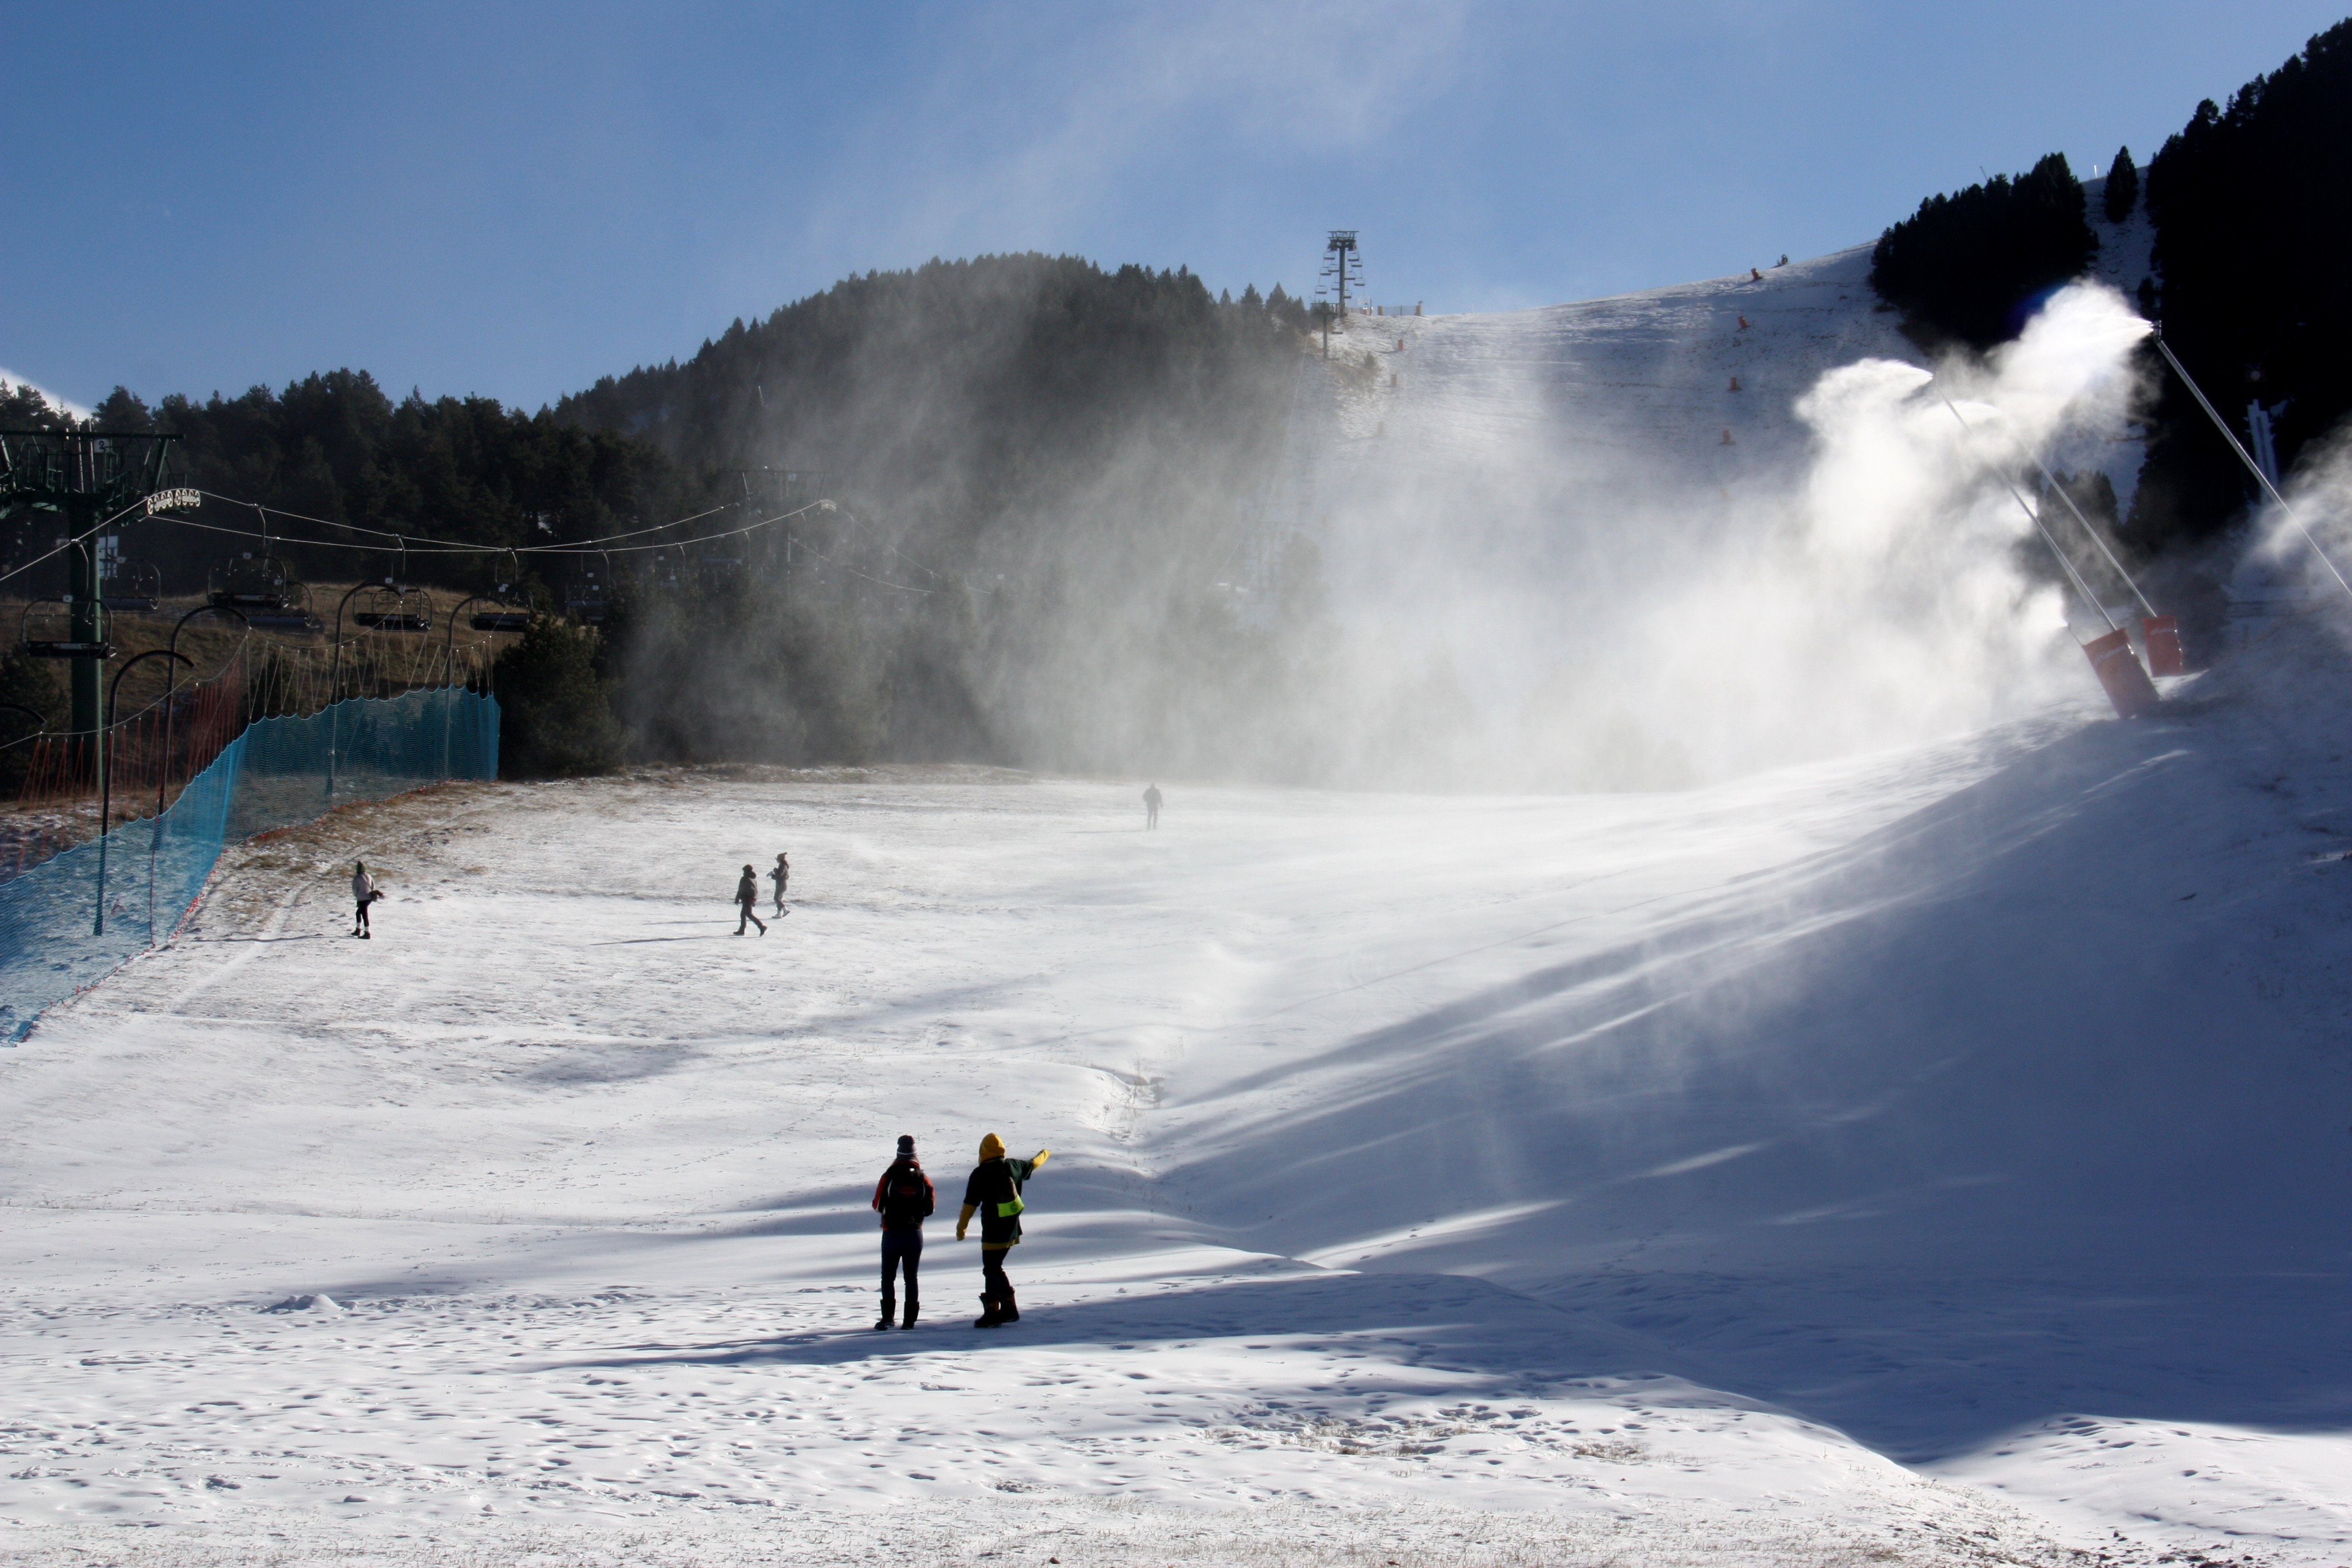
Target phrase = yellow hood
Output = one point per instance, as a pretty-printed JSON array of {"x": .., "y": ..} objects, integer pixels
[{"x": 991, "y": 1147}]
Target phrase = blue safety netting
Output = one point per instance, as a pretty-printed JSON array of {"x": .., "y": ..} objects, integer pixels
[{"x": 144, "y": 876}]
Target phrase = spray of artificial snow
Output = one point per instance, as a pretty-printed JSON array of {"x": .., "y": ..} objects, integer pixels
[{"x": 1606, "y": 621}]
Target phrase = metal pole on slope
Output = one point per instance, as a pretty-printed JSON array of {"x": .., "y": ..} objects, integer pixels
[
  {"x": 106, "y": 774},
  {"x": 163, "y": 769},
  {"x": 2247, "y": 458},
  {"x": 2162, "y": 632},
  {"x": 2112, "y": 660}
]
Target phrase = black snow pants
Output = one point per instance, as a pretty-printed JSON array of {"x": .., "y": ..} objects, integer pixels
[
  {"x": 994, "y": 1283},
  {"x": 901, "y": 1248}
]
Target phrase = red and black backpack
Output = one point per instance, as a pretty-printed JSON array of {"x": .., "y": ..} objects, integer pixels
[{"x": 906, "y": 1195}]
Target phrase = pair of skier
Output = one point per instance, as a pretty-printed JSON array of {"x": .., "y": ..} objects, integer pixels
[
  {"x": 904, "y": 1197},
  {"x": 747, "y": 893}
]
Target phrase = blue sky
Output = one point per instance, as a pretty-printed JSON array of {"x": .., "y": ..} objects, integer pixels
[{"x": 511, "y": 199}]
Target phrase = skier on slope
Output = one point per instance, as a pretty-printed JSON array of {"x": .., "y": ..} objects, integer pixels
[
  {"x": 993, "y": 1191},
  {"x": 364, "y": 893},
  {"x": 904, "y": 1197},
  {"x": 781, "y": 875},
  {"x": 747, "y": 898},
  {"x": 1151, "y": 806}
]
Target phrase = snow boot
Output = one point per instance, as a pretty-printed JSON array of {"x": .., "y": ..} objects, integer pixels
[
  {"x": 988, "y": 1317},
  {"x": 908, "y": 1321},
  {"x": 1008, "y": 1311},
  {"x": 888, "y": 1307}
]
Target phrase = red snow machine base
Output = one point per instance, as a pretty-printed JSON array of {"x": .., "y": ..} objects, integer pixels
[
  {"x": 2163, "y": 655},
  {"x": 2119, "y": 670}
]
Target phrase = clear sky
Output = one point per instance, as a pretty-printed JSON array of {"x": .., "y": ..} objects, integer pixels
[{"x": 513, "y": 199}]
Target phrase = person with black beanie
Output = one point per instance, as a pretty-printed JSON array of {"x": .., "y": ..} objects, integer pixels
[{"x": 904, "y": 1199}]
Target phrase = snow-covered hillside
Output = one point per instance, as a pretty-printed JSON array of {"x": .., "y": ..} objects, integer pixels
[
  {"x": 1924, "y": 1138},
  {"x": 1934, "y": 1156}
]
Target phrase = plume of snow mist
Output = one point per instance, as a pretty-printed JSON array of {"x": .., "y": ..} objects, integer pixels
[{"x": 1616, "y": 621}]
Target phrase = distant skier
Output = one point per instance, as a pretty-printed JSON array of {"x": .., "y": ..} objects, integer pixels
[
  {"x": 364, "y": 893},
  {"x": 993, "y": 1191},
  {"x": 781, "y": 875},
  {"x": 747, "y": 898},
  {"x": 1743, "y": 323},
  {"x": 1150, "y": 806},
  {"x": 1754, "y": 276},
  {"x": 904, "y": 1197}
]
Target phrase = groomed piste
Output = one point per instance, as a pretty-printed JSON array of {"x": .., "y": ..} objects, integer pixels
[{"x": 1936, "y": 1153}]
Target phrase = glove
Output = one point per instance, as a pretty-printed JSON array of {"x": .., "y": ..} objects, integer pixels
[{"x": 1043, "y": 1155}]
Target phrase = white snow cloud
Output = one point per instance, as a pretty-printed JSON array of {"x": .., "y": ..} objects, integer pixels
[{"x": 10, "y": 378}]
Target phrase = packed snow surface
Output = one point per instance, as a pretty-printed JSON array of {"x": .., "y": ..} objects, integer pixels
[
  {"x": 1938, "y": 1154},
  {"x": 1935, "y": 1156}
]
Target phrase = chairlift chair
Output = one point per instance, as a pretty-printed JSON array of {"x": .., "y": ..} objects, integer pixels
[
  {"x": 716, "y": 572},
  {"x": 510, "y": 608},
  {"x": 585, "y": 598},
  {"x": 131, "y": 587},
  {"x": 249, "y": 582},
  {"x": 45, "y": 631},
  {"x": 293, "y": 615},
  {"x": 390, "y": 606}
]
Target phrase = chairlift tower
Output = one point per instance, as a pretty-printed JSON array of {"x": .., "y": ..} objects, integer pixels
[
  {"x": 88, "y": 477},
  {"x": 1343, "y": 263}
]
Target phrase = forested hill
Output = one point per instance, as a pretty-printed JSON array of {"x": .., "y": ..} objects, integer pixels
[
  {"x": 2250, "y": 227},
  {"x": 952, "y": 399}
]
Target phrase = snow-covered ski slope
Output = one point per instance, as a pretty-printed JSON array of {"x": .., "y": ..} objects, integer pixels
[
  {"x": 1938, "y": 1156},
  {"x": 1641, "y": 382},
  {"x": 1938, "y": 1151}
]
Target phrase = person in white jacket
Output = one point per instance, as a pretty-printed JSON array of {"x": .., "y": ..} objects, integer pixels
[{"x": 364, "y": 893}]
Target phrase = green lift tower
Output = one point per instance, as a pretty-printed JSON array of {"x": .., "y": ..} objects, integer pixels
[{"x": 87, "y": 479}]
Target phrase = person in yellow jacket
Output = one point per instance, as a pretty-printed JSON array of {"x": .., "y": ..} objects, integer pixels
[{"x": 993, "y": 1193}]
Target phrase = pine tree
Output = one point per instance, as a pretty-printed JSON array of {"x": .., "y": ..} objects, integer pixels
[{"x": 2123, "y": 186}]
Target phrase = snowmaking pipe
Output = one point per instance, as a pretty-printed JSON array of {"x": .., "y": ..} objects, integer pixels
[
  {"x": 2065, "y": 564},
  {"x": 2246, "y": 457},
  {"x": 2060, "y": 491}
]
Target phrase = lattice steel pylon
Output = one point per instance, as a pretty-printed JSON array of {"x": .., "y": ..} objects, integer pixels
[{"x": 90, "y": 478}]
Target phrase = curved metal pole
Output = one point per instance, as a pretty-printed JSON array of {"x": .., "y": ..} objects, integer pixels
[
  {"x": 335, "y": 664},
  {"x": 449, "y": 643},
  {"x": 335, "y": 690},
  {"x": 171, "y": 689},
  {"x": 449, "y": 662},
  {"x": 106, "y": 771},
  {"x": 163, "y": 773},
  {"x": 38, "y": 718}
]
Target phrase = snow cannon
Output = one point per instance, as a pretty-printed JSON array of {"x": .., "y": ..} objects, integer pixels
[
  {"x": 2119, "y": 670},
  {"x": 2162, "y": 634}
]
